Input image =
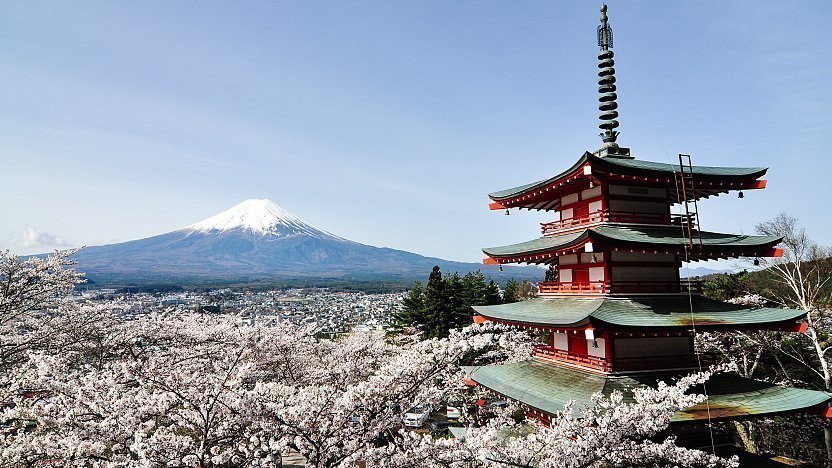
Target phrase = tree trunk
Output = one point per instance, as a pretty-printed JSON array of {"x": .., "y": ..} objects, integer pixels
[
  {"x": 747, "y": 436},
  {"x": 827, "y": 439}
]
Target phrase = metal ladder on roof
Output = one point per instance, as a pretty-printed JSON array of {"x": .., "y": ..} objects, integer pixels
[{"x": 688, "y": 199}]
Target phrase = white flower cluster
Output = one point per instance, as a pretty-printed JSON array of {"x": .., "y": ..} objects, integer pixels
[{"x": 85, "y": 388}]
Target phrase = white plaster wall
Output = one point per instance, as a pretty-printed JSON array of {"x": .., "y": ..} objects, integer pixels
[
  {"x": 569, "y": 199},
  {"x": 561, "y": 341},
  {"x": 591, "y": 193},
  {"x": 595, "y": 206},
  {"x": 565, "y": 275},
  {"x": 566, "y": 214},
  {"x": 570, "y": 259},
  {"x": 596, "y": 274},
  {"x": 647, "y": 347},
  {"x": 600, "y": 351},
  {"x": 587, "y": 257}
]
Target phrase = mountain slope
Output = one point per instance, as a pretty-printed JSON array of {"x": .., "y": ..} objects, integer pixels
[{"x": 256, "y": 241}]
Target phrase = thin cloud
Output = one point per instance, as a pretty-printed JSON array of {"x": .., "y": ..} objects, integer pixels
[{"x": 31, "y": 237}]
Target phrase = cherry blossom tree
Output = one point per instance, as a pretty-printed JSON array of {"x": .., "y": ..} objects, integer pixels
[{"x": 86, "y": 388}]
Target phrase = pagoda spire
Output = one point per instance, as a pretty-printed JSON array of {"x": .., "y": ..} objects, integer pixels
[{"x": 606, "y": 83}]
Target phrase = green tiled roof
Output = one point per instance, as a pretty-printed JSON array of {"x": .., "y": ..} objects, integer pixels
[
  {"x": 636, "y": 166},
  {"x": 642, "y": 311},
  {"x": 642, "y": 236},
  {"x": 664, "y": 168},
  {"x": 660, "y": 235},
  {"x": 548, "y": 388},
  {"x": 508, "y": 193},
  {"x": 543, "y": 244}
]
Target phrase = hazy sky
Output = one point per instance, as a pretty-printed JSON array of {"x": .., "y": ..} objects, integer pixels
[{"x": 387, "y": 122}]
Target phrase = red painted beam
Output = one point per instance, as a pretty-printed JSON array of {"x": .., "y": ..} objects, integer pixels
[
  {"x": 774, "y": 252},
  {"x": 490, "y": 261},
  {"x": 799, "y": 327},
  {"x": 480, "y": 319},
  {"x": 497, "y": 206}
]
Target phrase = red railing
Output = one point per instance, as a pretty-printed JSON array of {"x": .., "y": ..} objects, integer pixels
[
  {"x": 549, "y": 353},
  {"x": 612, "y": 287},
  {"x": 598, "y": 217},
  {"x": 681, "y": 361}
]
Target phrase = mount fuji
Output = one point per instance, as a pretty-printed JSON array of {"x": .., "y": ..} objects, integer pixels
[{"x": 257, "y": 241}]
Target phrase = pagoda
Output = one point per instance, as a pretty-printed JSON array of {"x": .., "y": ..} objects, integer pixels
[{"x": 617, "y": 315}]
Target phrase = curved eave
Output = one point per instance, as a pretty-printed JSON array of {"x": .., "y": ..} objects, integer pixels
[
  {"x": 537, "y": 250},
  {"x": 664, "y": 239},
  {"x": 526, "y": 189},
  {"x": 647, "y": 312},
  {"x": 709, "y": 181},
  {"x": 547, "y": 388},
  {"x": 566, "y": 312},
  {"x": 644, "y": 168}
]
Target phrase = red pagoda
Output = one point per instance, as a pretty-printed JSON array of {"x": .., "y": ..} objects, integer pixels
[{"x": 618, "y": 315}]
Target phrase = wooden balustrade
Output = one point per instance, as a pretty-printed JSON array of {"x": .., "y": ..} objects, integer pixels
[
  {"x": 549, "y": 353},
  {"x": 613, "y": 287},
  {"x": 597, "y": 217},
  {"x": 682, "y": 361}
]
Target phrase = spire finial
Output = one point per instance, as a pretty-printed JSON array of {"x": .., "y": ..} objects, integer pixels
[{"x": 606, "y": 83}]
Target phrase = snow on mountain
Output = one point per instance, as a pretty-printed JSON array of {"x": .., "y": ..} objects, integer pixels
[
  {"x": 258, "y": 241},
  {"x": 261, "y": 217}
]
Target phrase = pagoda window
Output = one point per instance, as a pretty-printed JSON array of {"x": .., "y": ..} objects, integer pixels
[
  {"x": 566, "y": 213},
  {"x": 591, "y": 193},
  {"x": 569, "y": 199},
  {"x": 663, "y": 346},
  {"x": 560, "y": 341},
  {"x": 643, "y": 273},
  {"x": 596, "y": 274},
  {"x": 643, "y": 192},
  {"x": 593, "y": 257},
  {"x": 638, "y": 206},
  {"x": 597, "y": 347},
  {"x": 623, "y": 257},
  {"x": 565, "y": 275},
  {"x": 570, "y": 259}
]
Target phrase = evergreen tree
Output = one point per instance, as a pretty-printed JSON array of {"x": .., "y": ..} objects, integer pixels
[
  {"x": 413, "y": 310},
  {"x": 474, "y": 283},
  {"x": 551, "y": 274},
  {"x": 510, "y": 294},
  {"x": 458, "y": 307},
  {"x": 436, "y": 318},
  {"x": 492, "y": 294}
]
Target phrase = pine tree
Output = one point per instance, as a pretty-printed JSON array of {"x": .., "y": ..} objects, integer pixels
[
  {"x": 413, "y": 310},
  {"x": 436, "y": 318},
  {"x": 492, "y": 294},
  {"x": 510, "y": 294},
  {"x": 458, "y": 307},
  {"x": 551, "y": 274},
  {"x": 474, "y": 283}
]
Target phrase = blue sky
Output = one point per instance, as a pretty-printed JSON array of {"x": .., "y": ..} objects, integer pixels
[{"x": 387, "y": 122}]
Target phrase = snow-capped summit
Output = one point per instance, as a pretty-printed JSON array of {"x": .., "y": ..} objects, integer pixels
[
  {"x": 260, "y": 217},
  {"x": 255, "y": 241}
]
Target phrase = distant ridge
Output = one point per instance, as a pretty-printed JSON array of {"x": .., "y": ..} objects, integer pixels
[{"x": 257, "y": 241}]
